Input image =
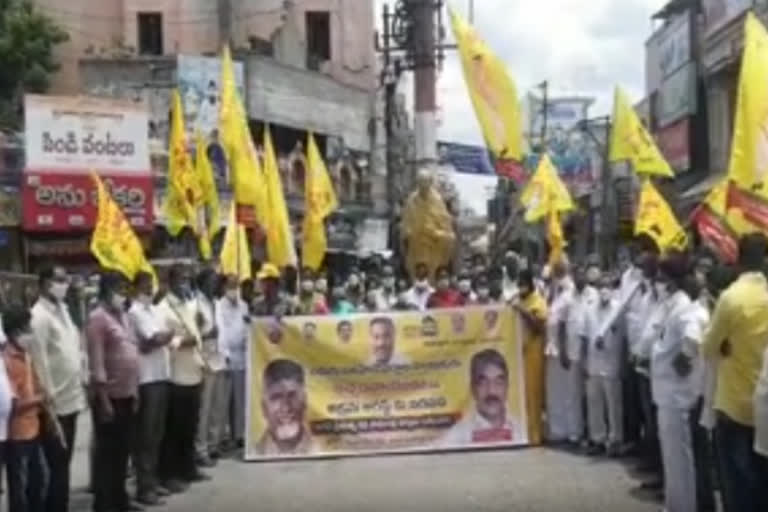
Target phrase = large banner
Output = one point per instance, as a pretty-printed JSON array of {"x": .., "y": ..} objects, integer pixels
[{"x": 362, "y": 384}]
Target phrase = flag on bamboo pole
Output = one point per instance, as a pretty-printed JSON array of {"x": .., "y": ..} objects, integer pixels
[
  {"x": 748, "y": 166},
  {"x": 182, "y": 193},
  {"x": 235, "y": 257},
  {"x": 545, "y": 192},
  {"x": 719, "y": 226},
  {"x": 494, "y": 98},
  {"x": 281, "y": 251},
  {"x": 113, "y": 242},
  {"x": 209, "y": 216},
  {"x": 655, "y": 218},
  {"x": 630, "y": 140},
  {"x": 319, "y": 202},
  {"x": 555, "y": 238},
  {"x": 248, "y": 183}
]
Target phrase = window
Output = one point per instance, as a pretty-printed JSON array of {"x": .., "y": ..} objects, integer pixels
[
  {"x": 318, "y": 25},
  {"x": 150, "y": 33}
]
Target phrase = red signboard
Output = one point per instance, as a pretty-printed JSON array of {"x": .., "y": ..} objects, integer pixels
[
  {"x": 55, "y": 201},
  {"x": 673, "y": 141}
]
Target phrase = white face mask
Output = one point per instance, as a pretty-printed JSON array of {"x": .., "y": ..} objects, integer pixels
[
  {"x": 232, "y": 294},
  {"x": 59, "y": 290},
  {"x": 483, "y": 293},
  {"x": 24, "y": 340},
  {"x": 118, "y": 301},
  {"x": 422, "y": 284},
  {"x": 307, "y": 286},
  {"x": 443, "y": 284},
  {"x": 321, "y": 286},
  {"x": 465, "y": 286},
  {"x": 389, "y": 283},
  {"x": 661, "y": 290},
  {"x": 353, "y": 280},
  {"x": 144, "y": 299},
  {"x": 605, "y": 294}
]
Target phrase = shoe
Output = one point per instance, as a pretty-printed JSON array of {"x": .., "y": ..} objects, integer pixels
[
  {"x": 149, "y": 499},
  {"x": 205, "y": 462},
  {"x": 175, "y": 486},
  {"x": 162, "y": 492},
  {"x": 199, "y": 477}
]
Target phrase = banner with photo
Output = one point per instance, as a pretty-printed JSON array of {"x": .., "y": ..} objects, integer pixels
[{"x": 378, "y": 383}]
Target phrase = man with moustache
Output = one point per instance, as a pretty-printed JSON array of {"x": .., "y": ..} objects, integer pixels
[
  {"x": 490, "y": 422},
  {"x": 284, "y": 405},
  {"x": 382, "y": 342}
]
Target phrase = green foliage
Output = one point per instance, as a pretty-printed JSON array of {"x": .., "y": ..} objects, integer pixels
[{"x": 27, "y": 40}]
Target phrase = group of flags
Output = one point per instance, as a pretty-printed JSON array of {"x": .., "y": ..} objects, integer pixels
[
  {"x": 736, "y": 206},
  {"x": 192, "y": 199}
]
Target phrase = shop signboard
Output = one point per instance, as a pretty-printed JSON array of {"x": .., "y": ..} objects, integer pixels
[
  {"x": 67, "y": 139},
  {"x": 674, "y": 143}
]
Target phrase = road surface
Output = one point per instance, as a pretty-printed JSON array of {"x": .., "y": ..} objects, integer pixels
[{"x": 524, "y": 480}]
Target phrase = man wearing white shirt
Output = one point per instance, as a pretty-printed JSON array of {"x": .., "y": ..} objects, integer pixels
[
  {"x": 233, "y": 321},
  {"x": 57, "y": 356},
  {"x": 419, "y": 293},
  {"x": 560, "y": 297},
  {"x": 154, "y": 389},
  {"x": 584, "y": 299},
  {"x": 177, "y": 313},
  {"x": 216, "y": 384}
]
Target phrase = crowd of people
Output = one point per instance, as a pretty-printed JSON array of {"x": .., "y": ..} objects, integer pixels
[{"x": 659, "y": 358}]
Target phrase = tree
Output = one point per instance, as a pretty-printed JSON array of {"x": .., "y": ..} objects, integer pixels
[{"x": 27, "y": 40}]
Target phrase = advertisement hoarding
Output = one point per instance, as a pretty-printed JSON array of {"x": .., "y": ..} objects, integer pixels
[
  {"x": 67, "y": 139},
  {"x": 673, "y": 142}
]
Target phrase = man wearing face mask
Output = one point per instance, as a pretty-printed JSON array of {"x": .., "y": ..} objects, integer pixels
[
  {"x": 464, "y": 285},
  {"x": 444, "y": 295},
  {"x": 154, "y": 383},
  {"x": 177, "y": 313},
  {"x": 57, "y": 357},
  {"x": 483, "y": 291},
  {"x": 114, "y": 368},
  {"x": 233, "y": 320},
  {"x": 419, "y": 293},
  {"x": 310, "y": 302},
  {"x": 387, "y": 295}
]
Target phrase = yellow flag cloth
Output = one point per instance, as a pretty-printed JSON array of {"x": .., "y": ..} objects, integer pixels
[
  {"x": 113, "y": 242},
  {"x": 209, "y": 216},
  {"x": 247, "y": 180},
  {"x": 492, "y": 90},
  {"x": 183, "y": 190},
  {"x": 545, "y": 192},
  {"x": 630, "y": 141},
  {"x": 555, "y": 237},
  {"x": 748, "y": 166},
  {"x": 235, "y": 258},
  {"x": 656, "y": 219},
  {"x": 281, "y": 251},
  {"x": 319, "y": 202}
]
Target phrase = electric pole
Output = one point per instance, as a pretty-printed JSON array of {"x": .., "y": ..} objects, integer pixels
[{"x": 544, "y": 86}]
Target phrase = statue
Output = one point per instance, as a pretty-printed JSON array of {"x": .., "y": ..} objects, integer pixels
[{"x": 427, "y": 229}]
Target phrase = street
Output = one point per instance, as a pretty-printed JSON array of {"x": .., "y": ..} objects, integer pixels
[{"x": 529, "y": 480}]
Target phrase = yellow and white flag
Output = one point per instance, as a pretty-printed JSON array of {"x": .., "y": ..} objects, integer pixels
[
  {"x": 209, "y": 216},
  {"x": 655, "y": 218},
  {"x": 113, "y": 242},
  {"x": 492, "y": 91},
  {"x": 545, "y": 192},
  {"x": 248, "y": 183},
  {"x": 748, "y": 167},
  {"x": 630, "y": 140},
  {"x": 182, "y": 193},
  {"x": 319, "y": 202},
  {"x": 281, "y": 251},
  {"x": 235, "y": 257}
]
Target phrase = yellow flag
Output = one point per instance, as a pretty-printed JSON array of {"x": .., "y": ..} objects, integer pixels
[
  {"x": 748, "y": 167},
  {"x": 183, "y": 191},
  {"x": 235, "y": 258},
  {"x": 209, "y": 217},
  {"x": 630, "y": 141},
  {"x": 492, "y": 90},
  {"x": 555, "y": 237},
  {"x": 281, "y": 251},
  {"x": 656, "y": 219},
  {"x": 545, "y": 192},
  {"x": 719, "y": 226},
  {"x": 113, "y": 242},
  {"x": 319, "y": 202},
  {"x": 245, "y": 172}
]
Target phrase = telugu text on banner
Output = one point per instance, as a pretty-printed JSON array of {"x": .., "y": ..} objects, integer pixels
[{"x": 378, "y": 383}]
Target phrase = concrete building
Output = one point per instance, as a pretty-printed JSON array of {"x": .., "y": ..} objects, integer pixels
[{"x": 308, "y": 65}]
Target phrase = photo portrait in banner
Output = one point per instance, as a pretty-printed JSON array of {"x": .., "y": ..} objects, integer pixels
[{"x": 398, "y": 382}]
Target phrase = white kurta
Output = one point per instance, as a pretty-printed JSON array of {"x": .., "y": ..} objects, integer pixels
[{"x": 557, "y": 384}]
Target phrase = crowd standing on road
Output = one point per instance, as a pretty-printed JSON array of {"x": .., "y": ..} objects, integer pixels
[{"x": 662, "y": 359}]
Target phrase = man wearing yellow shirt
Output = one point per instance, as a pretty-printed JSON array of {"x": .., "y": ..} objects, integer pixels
[{"x": 739, "y": 334}]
